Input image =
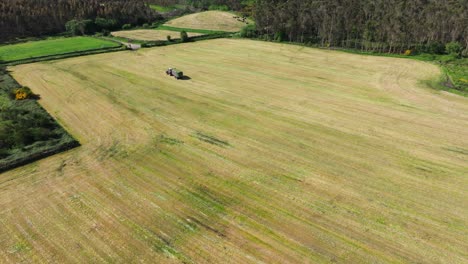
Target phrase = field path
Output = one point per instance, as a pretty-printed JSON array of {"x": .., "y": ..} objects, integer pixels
[{"x": 267, "y": 153}]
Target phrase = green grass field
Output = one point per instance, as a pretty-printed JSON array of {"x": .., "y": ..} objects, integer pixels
[
  {"x": 267, "y": 153},
  {"x": 52, "y": 47},
  {"x": 165, "y": 9}
]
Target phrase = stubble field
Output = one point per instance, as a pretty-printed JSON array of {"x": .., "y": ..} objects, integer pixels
[
  {"x": 151, "y": 34},
  {"x": 266, "y": 153},
  {"x": 209, "y": 20}
]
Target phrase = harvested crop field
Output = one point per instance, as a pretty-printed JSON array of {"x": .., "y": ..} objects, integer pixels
[
  {"x": 150, "y": 34},
  {"x": 211, "y": 20},
  {"x": 264, "y": 154}
]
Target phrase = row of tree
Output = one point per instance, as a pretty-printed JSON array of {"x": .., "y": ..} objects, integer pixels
[
  {"x": 378, "y": 25},
  {"x": 24, "y": 18}
]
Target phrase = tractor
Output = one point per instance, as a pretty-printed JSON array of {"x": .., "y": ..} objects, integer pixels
[{"x": 174, "y": 72}]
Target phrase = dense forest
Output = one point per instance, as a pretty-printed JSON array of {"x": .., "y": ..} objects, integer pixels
[
  {"x": 204, "y": 4},
  {"x": 381, "y": 25},
  {"x": 378, "y": 25},
  {"x": 24, "y": 18}
]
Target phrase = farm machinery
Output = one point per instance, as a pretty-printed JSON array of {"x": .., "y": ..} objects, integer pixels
[{"x": 175, "y": 73}]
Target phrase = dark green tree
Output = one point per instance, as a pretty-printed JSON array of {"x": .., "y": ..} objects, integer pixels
[
  {"x": 183, "y": 36},
  {"x": 105, "y": 23},
  {"x": 79, "y": 27},
  {"x": 26, "y": 18},
  {"x": 453, "y": 48}
]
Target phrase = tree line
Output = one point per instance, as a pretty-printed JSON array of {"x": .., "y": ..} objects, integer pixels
[
  {"x": 25, "y": 18},
  {"x": 377, "y": 25},
  {"x": 201, "y": 5},
  {"x": 372, "y": 25}
]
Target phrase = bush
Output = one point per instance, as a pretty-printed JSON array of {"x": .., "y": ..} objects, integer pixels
[
  {"x": 408, "y": 52},
  {"x": 453, "y": 48},
  {"x": 266, "y": 37},
  {"x": 4, "y": 152},
  {"x": 104, "y": 23},
  {"x": 464, "y": 53},
  {"x": 105, "y": 32},
  {"x": 183, "y": 36},
  {"x": 419, "y": 49},
  {"x": 169, "y": 38},
  {"x": 435, "y": 48},
  {"x": 126, "y": 26},
  {"x": 248, "y": 32},
  {"x": 279, "y": 36},
  {"x": 79, "y": 27},
  {"x": 219, "y": 7},
  {"x": 146, "y": 25},
  {"x": 23, "y": 93}
]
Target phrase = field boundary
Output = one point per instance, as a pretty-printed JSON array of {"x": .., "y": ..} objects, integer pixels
[
  {"x": 38, "y": 156},
  {"x": 145, "y": 44},
  {"x": 63, "y": 55},
  {"x": 191, "y": 30},
  {"x": 150, "y": 44}
]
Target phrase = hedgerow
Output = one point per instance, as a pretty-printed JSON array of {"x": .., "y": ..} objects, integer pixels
[{"x": 27, "y": 131}]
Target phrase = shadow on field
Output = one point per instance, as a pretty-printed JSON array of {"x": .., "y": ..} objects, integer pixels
[{"x": 185, "y": 78}]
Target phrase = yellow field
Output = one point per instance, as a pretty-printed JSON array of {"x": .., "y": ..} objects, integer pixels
[
  {"x": 269, "y": 153},
  {"x": 211, "y": 20},
  {"x": 150, "y": 34}
]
